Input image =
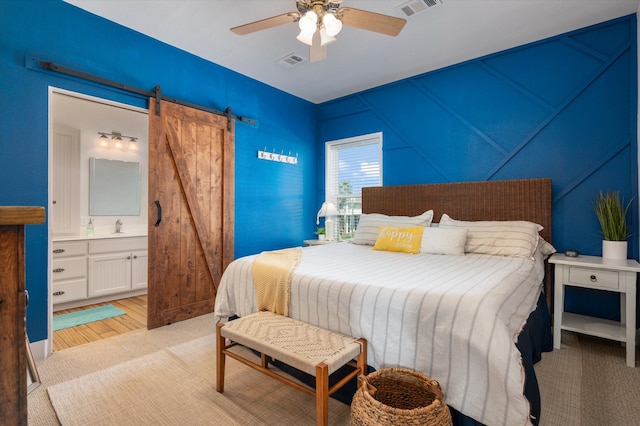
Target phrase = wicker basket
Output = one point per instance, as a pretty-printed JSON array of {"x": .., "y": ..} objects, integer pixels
[{"x": 398, "y": 396}]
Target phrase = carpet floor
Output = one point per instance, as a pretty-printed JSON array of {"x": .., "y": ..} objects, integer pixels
[
  {"x": 166, "y": 376},
  {"x": 173, "y": 385}
]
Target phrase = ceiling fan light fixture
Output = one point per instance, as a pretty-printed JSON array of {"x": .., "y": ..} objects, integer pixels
[
  {"x": 325, "y": 38},
  {"x": 306, "y": 38},
  {"x": 309, "y": 22},
  {"x": 321, "y": 20},
  {"x": 331, "y": 24}
]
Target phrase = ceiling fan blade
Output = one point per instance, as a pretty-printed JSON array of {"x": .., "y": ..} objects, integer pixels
[
  {"x": 372, "y": 21},
  {"x": 317, "y": 52},
  {"x": 263, "y": 24}
]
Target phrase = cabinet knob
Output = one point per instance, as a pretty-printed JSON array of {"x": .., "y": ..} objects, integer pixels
[
  {"x": 58, "y": 293},
  {"x": 58, "y": 270},
  {"x": 135, "y": 257},
  {"x": 58, "y": 251},
  {"x": 128, "y": 257},
  {"x": 593, "y": 278}
]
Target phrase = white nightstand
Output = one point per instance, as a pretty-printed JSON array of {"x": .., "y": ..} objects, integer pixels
[{"x": 601, "y": 274}]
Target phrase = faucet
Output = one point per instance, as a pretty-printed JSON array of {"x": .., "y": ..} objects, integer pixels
[{"x": 118, "y": 225}]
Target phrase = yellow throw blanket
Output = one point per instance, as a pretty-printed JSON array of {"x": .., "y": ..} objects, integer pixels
[{"x": 272, "y": 272}]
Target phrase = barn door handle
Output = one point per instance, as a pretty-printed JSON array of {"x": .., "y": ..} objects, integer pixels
[{"x": 159, "y": 213}]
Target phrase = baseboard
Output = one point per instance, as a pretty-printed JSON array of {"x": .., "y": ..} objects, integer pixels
[
  {"x": 101, "y": 299},
  {"x": 39, "y": 349}
]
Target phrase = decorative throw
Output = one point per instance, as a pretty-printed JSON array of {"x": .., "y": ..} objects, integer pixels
[{"x": 272, "y": 271}]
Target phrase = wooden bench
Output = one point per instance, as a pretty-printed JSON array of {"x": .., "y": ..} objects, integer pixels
[{"x": 311, "y": 349}]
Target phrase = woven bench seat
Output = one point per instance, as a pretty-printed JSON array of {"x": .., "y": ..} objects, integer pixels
[{"x": 308, "y": 348}]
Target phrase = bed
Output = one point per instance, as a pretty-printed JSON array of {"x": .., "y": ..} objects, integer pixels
[{"x": 475, "y": 322}]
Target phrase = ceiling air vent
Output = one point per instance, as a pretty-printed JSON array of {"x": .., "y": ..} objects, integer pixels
[
  {"x": 414, "y": 7},
  {"x": 291, "y": 60}
]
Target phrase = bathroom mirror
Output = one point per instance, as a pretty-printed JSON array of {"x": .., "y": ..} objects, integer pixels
[{"x": 114, "y": 187}]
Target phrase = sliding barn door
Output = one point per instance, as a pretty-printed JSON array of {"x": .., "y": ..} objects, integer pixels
[{"x": 191, "y": 163}]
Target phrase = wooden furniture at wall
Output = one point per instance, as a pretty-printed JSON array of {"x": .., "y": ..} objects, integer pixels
[{"x": 13, "y": 356}]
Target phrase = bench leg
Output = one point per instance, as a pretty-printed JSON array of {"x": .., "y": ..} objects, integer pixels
[
  {"x": 362, "y": 358},
  {"x": 322, "y": 394},
  {"x": 220, "y": 358}
]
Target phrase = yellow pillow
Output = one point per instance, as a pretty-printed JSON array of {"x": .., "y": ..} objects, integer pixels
[{"x": 405, "y": 240}]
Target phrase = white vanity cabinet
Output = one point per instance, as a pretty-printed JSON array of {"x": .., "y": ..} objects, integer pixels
[
  {"x": 139, "y": 271},
  {"x": 93, "y": 270},
  {"x": 117, "y": 265},
  {"x": 69, "y": 271}
]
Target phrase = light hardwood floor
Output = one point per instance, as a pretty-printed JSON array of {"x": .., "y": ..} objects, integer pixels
[{"x": 135, "y": 319}]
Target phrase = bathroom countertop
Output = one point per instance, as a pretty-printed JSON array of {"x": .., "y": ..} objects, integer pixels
[{"x": 100, "y": 235}]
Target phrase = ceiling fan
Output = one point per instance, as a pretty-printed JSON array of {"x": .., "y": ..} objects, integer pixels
[{"x": 321, "y": 20}]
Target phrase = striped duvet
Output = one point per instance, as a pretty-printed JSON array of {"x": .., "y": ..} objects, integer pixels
[{"x": 453, "y": 318}]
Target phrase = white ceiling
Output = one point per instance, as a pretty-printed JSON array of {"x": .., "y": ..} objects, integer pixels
[{"x": 451, "y": 32}]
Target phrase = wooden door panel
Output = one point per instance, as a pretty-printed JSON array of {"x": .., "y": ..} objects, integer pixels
[{"x": 191, "y": 174}]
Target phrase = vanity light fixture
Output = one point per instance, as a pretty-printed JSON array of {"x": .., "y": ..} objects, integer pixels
[
  {"x": 117, "y": 142},
  {"x": 133, "y": 144},
  {"x": 116, "y": 137},
  {"x": 103, "y": 141}
]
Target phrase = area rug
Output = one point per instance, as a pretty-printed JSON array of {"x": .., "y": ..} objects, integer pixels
[
  {"x": 177, "y": 386},
  {"x": 86, "y": 316}
]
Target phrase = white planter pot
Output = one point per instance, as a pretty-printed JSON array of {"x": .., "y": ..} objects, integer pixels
[
  {"x": 615, "y": 250},
  {"x": 321, "y": 237}
]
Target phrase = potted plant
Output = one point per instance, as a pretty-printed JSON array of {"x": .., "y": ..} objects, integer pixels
[
  {"x": 612, "y": 215},
  {"x": 320, "y": 232}
]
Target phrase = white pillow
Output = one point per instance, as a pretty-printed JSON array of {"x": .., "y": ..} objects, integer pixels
[
  {"x": 517, "y": 238},
  {"x": 367, "y": 231},
  {"x": 443, "y": 241},
  {"x": 545, "y": 248}
]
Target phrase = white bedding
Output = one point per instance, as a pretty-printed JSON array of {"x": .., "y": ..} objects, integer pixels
[{"x": 453, "y": 318}]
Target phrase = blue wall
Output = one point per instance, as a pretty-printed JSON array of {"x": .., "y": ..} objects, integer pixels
[
  {"x": 275, "y": 203},
  {"x": 563, "y": 108}
]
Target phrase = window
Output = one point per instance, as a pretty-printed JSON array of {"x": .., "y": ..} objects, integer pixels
[{"x": 351, "y": 164}]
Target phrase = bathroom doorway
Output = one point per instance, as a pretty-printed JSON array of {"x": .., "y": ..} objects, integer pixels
[{"x": 90, "y": 264}]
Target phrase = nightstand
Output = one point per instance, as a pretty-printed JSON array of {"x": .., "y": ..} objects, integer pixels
[
  {"x": 601, "y": 274},
  {"x": 318, "y": 242}
]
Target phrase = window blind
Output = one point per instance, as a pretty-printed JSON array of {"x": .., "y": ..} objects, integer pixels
[{"x": 352, "y": 164}]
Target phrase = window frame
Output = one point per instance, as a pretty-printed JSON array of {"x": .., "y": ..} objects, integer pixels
[{"x": 332, "y": 184}]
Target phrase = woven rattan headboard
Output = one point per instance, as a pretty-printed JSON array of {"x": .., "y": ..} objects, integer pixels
[{"x": 526, "y": 199}]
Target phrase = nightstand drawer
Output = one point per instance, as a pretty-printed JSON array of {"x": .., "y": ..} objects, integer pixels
[{"x": 594, "y": 277}]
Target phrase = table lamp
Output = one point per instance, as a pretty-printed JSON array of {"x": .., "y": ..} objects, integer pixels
[{"x": 328, "y": 211}]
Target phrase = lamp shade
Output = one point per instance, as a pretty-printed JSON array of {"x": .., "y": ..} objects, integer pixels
[
  {"x": 328, "y": 209},
  {"x": 103, "y": 141},
  {"x": 325, "y": 38},
  {"x": 332, "y": 24},
  {"x": 133, "y": 144},
  {"x": 306, "y": 38},
  {"x": 117, "y": 142},
  {"x": 308, "y": 23}
]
